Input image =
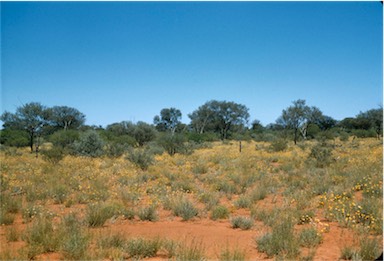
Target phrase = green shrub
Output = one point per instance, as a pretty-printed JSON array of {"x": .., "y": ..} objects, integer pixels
[
  {"x": 140, "y": 158},
  {"x": 53, "y": 155},
  {"x": 184, "y": 208},
  {"x": 348, "y": 253},
  {"x": 89, "y": 145},
  {"x": 244, "y": 223},
  {"x": 219, "y": 212},
  {"x": 115, "y": 149},
  {"x": 243, "y": 202},
  {"x": 278, "y": 145},
  {"x": 111, "y": 240}
]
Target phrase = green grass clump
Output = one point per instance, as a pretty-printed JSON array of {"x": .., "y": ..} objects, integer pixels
[
  {"x": 348, "y": 253},
  {"x": 192, "y": 251},
  {"x": 309, "y": 237},
  {"x": 185, "y": 209},
  {"x": 369, "y": 249},
  {"x": 74, "y": 239},
  {"x": 280, "y": 242},
  {"x": 98, "y": 213},
  {"x": 148, "y": 213},
  {"x": 228, "y": 255},
  {"x": 244, "y": 223},
  {"x": 142, "y": 248},
  {"x": 243, "y": 202},
  {"x": 220, "y": 212}
]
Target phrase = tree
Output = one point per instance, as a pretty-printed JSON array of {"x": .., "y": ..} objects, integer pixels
[
  {"x": 168, "y": 120},
  {"x": 143, "y": 133},
  {"x": 31, "y": 117},
  {"x": 375, "y": 119},
  {"x": 90, "y": 144},
  {"x": 219, "y": 116},
  {"x": 294, "y": 116},
  {"x": 63, "y": 117},
  {"x": 298, "y": 117}
]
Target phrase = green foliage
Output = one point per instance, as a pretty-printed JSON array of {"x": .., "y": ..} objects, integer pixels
[
  {"x": 244, "y": 223},
  {"x": 14, "y": 138},
  {"x": 64, "y": 138},
  {"x": 111, "y": 240},
  {"x": 278, "y": 145},
  {"x": 90, "y": 144},
  {"x": 348, "y": 253},
  {"x": 98, "y": 213},
  {"x": 115, "y": 149},
  {"x": 243, "y": 202},
  {"x": 140, "y": 158},
  {"x": 219, "y": 212},
  {"x": 142, "y": 248},
  {"x": 171, "y": 143},
  {"x": 53, "y": 155}
]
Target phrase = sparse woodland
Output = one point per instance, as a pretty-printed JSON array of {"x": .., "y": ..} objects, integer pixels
[{"x": 306, "y": 187}]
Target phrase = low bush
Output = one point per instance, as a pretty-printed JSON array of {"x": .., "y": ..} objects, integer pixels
[
  {"x": 142, "y": 248},
  {"x": 53, "y": 155},
  {"x": 244, "y": 223},
  {"x": 309, "y": 237},
  {"x": 219, "y": 212},
  {"x": 148, "y": 213},
  {"x": 278, "y": 145},
  {"x": 184, "y": 208},
  {"x": 98, "y": 213},
  {"x": 140, "y": 158}
]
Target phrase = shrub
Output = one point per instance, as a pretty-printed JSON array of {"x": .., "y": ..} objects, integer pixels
[
  {"x": 114, "y": 240},
  {"x": 140, "y": 158},
  {"x": 309, "y": 237},
  {"x": 184, "y": 208},
  {"x": 322, "y": 154},
  {"x": 243, "y": 223},
  {"x": 90, "y": 144},
  {"x": 115, "y": 149},
  {"x": 12, "y": 234},
  {"x": 279, "y": 145},
  {"x": 97, "y": 214},
  {"x": 220, "y": 212},
  {"x": 64, "y": 138},
  {"x": 347, "y": 253},
  {"x": 54, "y": 155},
  {"x": 243, "y": 202},
  {"x": 148, "y": 213}
]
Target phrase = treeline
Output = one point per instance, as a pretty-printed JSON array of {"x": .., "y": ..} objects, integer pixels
[{"x": 33, "y": 124}]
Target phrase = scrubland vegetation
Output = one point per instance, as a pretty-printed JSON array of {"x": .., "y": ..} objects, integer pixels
[
  {"x": 68, "y": 207},
  {"x": 133, "y": 191}
]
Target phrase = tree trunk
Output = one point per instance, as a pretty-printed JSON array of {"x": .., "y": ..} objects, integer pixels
[
  {"x": 31, "y": 141},
  {"x": 295, "y": 140}
]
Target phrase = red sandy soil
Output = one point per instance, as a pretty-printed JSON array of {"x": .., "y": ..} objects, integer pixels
[{"x": 214, "y": 235}]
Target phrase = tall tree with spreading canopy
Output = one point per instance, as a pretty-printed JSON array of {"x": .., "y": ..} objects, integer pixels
[
  {"x": 375, "y": 118},
  {"x": 63, "y": 117},
  {"x": 298, "y": 117},
  {"x": 31, "y": 117},
  {"x": 168, "y": 120},
  {"x": 219, "y": 116}
]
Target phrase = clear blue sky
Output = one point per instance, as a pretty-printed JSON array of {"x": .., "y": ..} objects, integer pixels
[{"x": 118, "y": 61}]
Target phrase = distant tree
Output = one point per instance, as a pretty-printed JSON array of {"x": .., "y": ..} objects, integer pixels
[
  {"x": 219, "y": 116},
  {"x": 294, "y": 117},
  {"x": 168, "y": 120},
  {"x": 144, "y": 133},
  {"x": 31, "y": 117},
  {"x": 256, "y": 125},
  {"x": 375, "y": 119},
  {"x": 63, "y": 117}
]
